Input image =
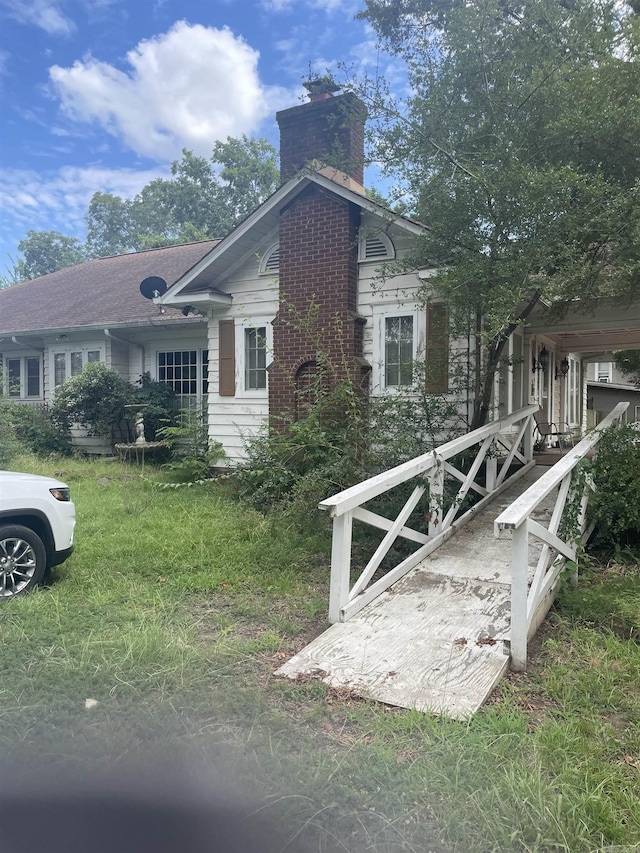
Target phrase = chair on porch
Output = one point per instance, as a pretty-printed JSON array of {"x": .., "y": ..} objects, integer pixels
[{"x": 561, "y": 432}]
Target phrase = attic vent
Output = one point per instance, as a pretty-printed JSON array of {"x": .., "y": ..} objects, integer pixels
[
  {"x": 377, "y": 247},
  {"x": 271, "y": 261}
]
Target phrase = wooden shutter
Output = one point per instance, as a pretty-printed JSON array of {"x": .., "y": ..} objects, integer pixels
[
  {"x": 227, "y": 358},
  {"x": 437, "y": 353}
]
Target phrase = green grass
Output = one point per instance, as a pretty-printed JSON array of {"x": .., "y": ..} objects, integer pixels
[{"x": 177, "y": 606}]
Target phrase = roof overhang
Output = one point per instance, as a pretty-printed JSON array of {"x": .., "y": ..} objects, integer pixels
[{"x": 603, "y": 326}]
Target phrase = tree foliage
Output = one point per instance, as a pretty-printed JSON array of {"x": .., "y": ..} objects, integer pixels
[
  {"x": 47, "y": 251},
  {"x": 629, "y": 363},
  {"x": 519, "y": 147},
  {"x": 204, "y": 199}
]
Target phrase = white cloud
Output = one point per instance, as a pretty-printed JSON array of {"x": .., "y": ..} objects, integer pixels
[
  {"x": 347, "y": 7},
  {"x": 59, "y": 200},
  {"x": 45, "y": 14},
  {"x": 186, "y": 88}
]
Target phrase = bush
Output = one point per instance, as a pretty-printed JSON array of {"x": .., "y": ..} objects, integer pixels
[
  {"x": 615, "y": 505},
  {"x": 32, "y": 428},
  {"x": 159, "y": 407},
  {"x": 95, "y": 399}
]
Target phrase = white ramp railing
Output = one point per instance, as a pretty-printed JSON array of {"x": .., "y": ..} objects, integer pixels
[
  {"x": 506, "y": 449},
  {"x": 530, "y": 603}
]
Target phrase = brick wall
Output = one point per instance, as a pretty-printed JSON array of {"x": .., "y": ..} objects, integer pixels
[
  {"x": 318, "y": 275},
  {"x": 331, "y": 131},
  {"x": 318, "y": 293}
]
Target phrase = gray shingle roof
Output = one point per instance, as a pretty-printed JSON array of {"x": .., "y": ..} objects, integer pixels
[{"x": 100, "y": 292}]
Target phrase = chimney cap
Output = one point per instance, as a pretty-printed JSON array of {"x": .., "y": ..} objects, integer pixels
[{"x": 321, "y": 88}]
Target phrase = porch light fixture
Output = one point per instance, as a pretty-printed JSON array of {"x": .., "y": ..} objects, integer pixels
[
  {"x": 543, "y": 361},
  {"x": 564, "y": 368}
]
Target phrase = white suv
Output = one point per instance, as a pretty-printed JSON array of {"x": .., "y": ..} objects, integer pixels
[{"x": 37, "y": 520}]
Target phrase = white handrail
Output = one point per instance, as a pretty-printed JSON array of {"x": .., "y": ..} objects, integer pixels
[
  {"x": 346, "y": 599},
  {"x": 529, "y": 604},
  {"x": 515, "y": 514},
  {"x": 362, "y": 492}
]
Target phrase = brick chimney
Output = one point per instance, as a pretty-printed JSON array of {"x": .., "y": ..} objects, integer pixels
[
  {"x": 318, "y": 276},
  {"x": 328, "y": 129}
]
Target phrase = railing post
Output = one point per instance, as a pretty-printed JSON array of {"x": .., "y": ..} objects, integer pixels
[
  {"x": 436, "y": 497},
  {"x": 491, "y": 463},
  {"x": 519, "y": 594},
  {"x": 340, "y": 565},
  {"x": 528, "y": 440}
]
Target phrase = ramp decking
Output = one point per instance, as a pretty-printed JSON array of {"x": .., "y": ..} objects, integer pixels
[{"x": 434, "y": 641}]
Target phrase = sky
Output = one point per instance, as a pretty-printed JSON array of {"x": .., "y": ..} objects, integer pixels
[{"x": 102, "y": 95}]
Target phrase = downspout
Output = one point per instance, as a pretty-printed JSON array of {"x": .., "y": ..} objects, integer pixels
[
  {"x": 18, "y": 343},
  {"x": 109, "y": 334}
]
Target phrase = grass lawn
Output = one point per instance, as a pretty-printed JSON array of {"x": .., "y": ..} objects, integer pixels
[{"x": 177, "y": 606}]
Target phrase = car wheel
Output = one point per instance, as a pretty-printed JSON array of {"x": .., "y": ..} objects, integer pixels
[{"x": 23, "y": 560}]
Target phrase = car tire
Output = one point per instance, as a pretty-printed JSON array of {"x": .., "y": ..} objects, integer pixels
[{"x": 23, "y": 560}]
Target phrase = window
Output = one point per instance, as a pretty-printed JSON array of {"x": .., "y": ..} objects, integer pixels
[
  {"x": 22, "y": 377},
  {"x": 185, "y": 372},
  {"x": 398, "y": 338},
  {"x": 13, "y": 376},
  {"x": 255, "y": 359},
  {"x": 402, "y": 338},
  {"x": 604, "y": 372},
  {"x": 243, "y": 369},
  {"x": 398, "y": 351},
  {"x": 69, "y": 362},
  {"x": 33, "y": 376}
]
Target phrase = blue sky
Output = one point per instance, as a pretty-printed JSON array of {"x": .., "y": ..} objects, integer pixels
[{"x": 101, "y": 95}]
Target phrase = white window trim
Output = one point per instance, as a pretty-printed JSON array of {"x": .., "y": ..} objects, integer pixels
[
  {"x": 380, "y": 314},
  {"x": 22, "y": 358},
  {"x": 607, "y": 368},
  {"x": 67, "y": 350},
  {"x": 184, "y": 346},
  {"x": 241, "y": 327}
]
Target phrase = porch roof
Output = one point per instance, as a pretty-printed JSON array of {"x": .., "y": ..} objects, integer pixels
[{"x": 590, "y": 327}]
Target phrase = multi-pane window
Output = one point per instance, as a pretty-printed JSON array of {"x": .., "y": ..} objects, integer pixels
[
  {"x": 33, "y": 376},
  {"x": 185, "y": 371},
  {"x": 179, "y": 370},
  {"x": 13, "y": 376},
  {"x": 22, "y": 377},
  {"x": 255, "y": 359},
  {"x": 398, "y": 351},
  {"x": 68, "y": 363}
]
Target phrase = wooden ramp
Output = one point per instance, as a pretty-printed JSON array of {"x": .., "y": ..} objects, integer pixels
[{"x": 435, "y": 640}]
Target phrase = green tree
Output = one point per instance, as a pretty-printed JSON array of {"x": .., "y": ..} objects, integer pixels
[
  {"x": 520, "y": 148},
  {"x": 108, "y": 225},
  {"x": 629, "y": 363},
  {"x": 47, "y": 251},
  {"x": 204, "y": 199}
]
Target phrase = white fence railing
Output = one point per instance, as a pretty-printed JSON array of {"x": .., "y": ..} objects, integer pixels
[
  {"x": 506, "y": 449},
  {"x": 530, "y": 603}
]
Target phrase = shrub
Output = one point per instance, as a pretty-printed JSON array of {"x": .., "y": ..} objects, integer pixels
[
  {"x": 32, "y": 428},
  {"x": 95, "y": 399},
  {"x": 159, "y": 405},
  {"x": 615, "y": 505}
]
